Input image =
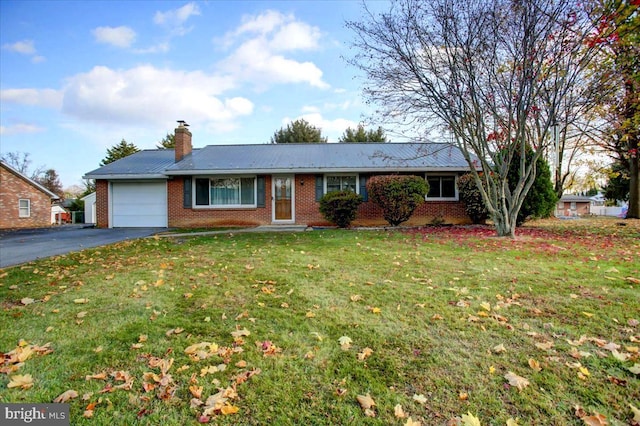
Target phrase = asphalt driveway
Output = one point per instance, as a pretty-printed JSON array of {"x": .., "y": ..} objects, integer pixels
[{"x": 26, "y": 245}]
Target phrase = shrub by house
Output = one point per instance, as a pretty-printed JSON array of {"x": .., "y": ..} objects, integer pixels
[{"x": 397, "y": 195}]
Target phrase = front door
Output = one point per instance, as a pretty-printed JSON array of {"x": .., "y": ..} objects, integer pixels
[{"x": 283, "y": 190}]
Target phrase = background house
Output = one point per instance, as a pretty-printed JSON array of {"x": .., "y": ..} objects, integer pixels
[
  {"x": 221, "y": 185},
  {"x": 573, "y": 206},
  {"x": 59, "y": 214},
  {"x": 24, "y": 203},
  {"x": 89, "y": 208}
]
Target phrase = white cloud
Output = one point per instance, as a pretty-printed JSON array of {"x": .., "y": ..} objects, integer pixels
[
  {"x": 25, "y": 47},
  {"x": 48, "y": 98},
  {"x": 148, "y": 95},
  {"x": 176, "y": 18},
  {"x": 295, "y": 36},
  {"x": 20, "y": 128},
  {"x": 261, "y": 43},
  {"x": 116, "y": 36}
]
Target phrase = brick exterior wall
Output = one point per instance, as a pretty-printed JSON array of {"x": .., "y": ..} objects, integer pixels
[
  {"x": 307, "y": 210},
  {"x": 180, "y": 217},
  {"x": 13, "y": 188},
  {"x": 102, "y": 203}
]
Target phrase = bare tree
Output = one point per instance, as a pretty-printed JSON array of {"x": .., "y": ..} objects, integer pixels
[
  {"x": 22, "y": 163},
  {"x": 494, "y": 74}
]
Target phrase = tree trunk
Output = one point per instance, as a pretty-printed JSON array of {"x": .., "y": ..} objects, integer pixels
[
  {"x": 634, "y": 181},
  {"x": 631, "y": 113}
]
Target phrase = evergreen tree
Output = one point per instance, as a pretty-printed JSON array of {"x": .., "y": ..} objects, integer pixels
[
  {"x": 168, "y": 142},
  {"x": 541, "y": 199},
  {"x": 617, "y": 188},
  {"x": 299, "y": 131},
  {"x": 121, "y": 150},
  {"x": 362, "y": 135}
]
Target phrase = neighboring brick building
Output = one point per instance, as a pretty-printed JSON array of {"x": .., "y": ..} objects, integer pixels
[
  {"x": 24, "y": 203},
  {"x": 222, "y": 185}
]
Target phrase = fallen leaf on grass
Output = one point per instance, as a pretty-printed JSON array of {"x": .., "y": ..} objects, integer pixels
[
  {"x": 88, "y": 412},
  {"x": 470, "y": 420},
  {"x": 635, "y": 369},
  {"x": 228, "y": 409},
  {"x": 367, "y": 403},
  {"x": 240, "y": 333},
  {"x": 81, "y": 301},
  {"x": 535, "y": 365},
  {"x": 512, "y": 422},
  {"x": 411, "y": 422},
  {"x": 177, "y": 330},
  {"x": 636, "y": 413},
  {"x": 268, "y": 348},
  {"x": 26, "y": 301},
  {"x": 20, "y": 381},
  {"x": 595, "y": 420},
  {"x": 345, "y": 342},
  {"x": 66, "y": 396},
  {"x": 620, "y": 356},
  {"x": 420, "y": 398},
  {"x": 399, "y": 412},
  {"x": 544, "y": 346},
  {"x": 499, "y": 348},
  {"x": 98, "y": 376},
  {"x": 366, "y": 353},
  {"x": 355, "y": 297},
  {"x": 517, "y": 381}
]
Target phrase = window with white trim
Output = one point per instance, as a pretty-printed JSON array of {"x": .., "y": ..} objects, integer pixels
[
  {"x": 442, "y": 187},
  {"x": 24, "y": 207},
  {"x": 341, "y": 183},
  {"x": 228, "y": 191}
]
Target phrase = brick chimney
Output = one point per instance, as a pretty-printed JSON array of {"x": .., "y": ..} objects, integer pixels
[{"x": 183, "y": 140}]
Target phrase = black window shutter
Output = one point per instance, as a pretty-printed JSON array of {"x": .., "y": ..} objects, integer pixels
[
  {"x": 186, "y": 195},
  {"x": 261, "y": 196},
  {"x": 202, "y": 192},
  {"x": 319, "y": 187},
  {"x": 363, "y": 188}
]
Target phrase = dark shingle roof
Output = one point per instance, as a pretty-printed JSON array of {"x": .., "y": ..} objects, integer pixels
[{"x": 287, "y": 158}]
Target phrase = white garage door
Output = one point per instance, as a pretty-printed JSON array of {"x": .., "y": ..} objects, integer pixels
[{"x": 139, "y": 204}]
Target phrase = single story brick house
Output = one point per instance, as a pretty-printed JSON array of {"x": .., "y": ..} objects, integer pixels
[
  {"x": 574, "y": 205},
  {"x": 24, "y": 203},
  {"x": 268, "y": 184}
]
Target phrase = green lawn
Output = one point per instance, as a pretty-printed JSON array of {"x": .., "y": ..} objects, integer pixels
[{"x": 291, "y": 328}]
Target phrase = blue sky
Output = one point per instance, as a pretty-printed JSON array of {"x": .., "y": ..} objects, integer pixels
[{"x": 78, "y": 77}]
